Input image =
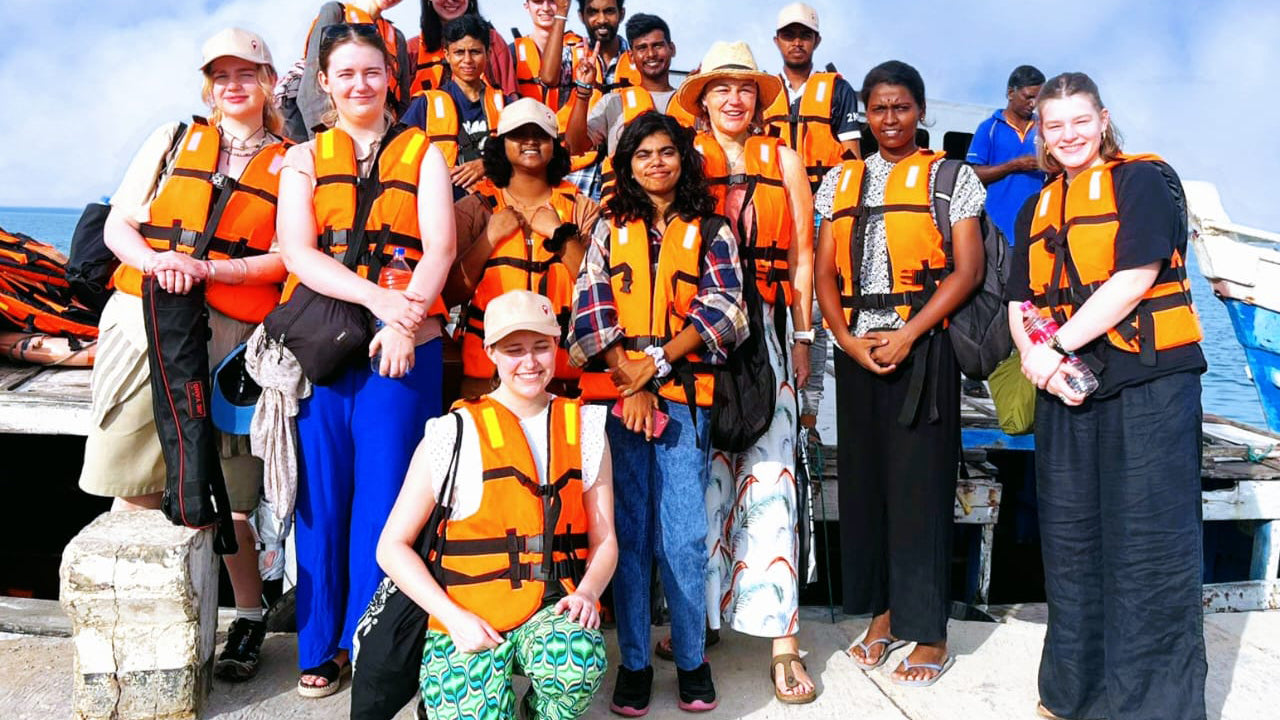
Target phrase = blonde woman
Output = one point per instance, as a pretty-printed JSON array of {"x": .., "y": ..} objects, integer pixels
[{"x": 241, "y": 278}]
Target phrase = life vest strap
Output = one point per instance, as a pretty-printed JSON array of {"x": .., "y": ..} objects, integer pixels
[
  {"x": 566, "y": 543},
  {"x": 529, "y": 266},
  {"x": 564, "y": 569},
  {"x": 743, "y": 179}
]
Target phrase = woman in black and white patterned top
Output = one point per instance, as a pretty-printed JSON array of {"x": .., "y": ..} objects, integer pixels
[{"x": 887, "y": 285}]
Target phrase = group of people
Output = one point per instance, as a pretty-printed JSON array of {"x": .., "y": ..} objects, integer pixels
[{"x": 598, "y": 243}]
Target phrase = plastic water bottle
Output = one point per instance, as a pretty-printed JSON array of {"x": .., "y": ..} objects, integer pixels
[
  {"x": 1040, "y": 328},
  {"x": 395, "y": 275}
]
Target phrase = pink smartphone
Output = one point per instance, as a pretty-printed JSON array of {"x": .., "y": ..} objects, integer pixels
[{"x": 660, "y": 419}]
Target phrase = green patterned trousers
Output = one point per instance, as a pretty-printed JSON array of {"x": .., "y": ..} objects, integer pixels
[{"x": 564, "y": 662}]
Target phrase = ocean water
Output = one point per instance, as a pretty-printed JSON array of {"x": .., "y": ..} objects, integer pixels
[{"x": 1228, "y": 391}]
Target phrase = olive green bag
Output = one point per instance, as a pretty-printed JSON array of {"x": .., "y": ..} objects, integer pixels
[{"x": 1014, "y": 396}]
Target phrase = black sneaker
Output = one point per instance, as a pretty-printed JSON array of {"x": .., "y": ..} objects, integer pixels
[
  {"x": 631, "y": 693},
  {"x": 697, "y": 692},
  {"x": 239, "y": 658},
  {"x": 974, "y": 388}
]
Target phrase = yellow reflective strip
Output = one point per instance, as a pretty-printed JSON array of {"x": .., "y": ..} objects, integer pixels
[
  {"x": 492, "y": 428},
  {"x": 325, "y": 142},
  {"x": 570, "y": 424},
  {"x": 412, "y": 148}
]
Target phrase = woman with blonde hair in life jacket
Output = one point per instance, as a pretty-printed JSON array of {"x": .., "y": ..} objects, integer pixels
[
  {"x": 461, "y": 116},
  {"x": 357, "y": 433},
  {"x": 659, "y": 302},
  {"x": 169, "y": 184},
  {"x": 428, "y": 49},
  {"x": 313, "y": 101},
  {"x": 532, "y": 468},
  {"x": 760, "y": 185},
  {"x": 1102, "y": 250},
  {"x": 524, "y": 227},
  {"x": 527, "y": 52},
  {"x": 887, "y": 285}
]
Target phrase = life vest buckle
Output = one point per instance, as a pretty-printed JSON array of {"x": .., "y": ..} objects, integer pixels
[{"x": 220, "y": 181}]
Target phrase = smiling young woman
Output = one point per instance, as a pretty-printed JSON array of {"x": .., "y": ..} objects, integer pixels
[
  {"x": 481, "y": 628},
  {"x": 761, "y": 186},
  {"x": 170, "y": 186},
  {"x": 659, "y": 298},
  {"x": 886, "y": 286},
  {"x": 375, "y": 415},
  {"x": 523, "y": 228},
  {"x": 1102, "y": 250}
]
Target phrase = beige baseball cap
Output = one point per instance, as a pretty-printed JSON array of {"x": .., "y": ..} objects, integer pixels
[
  {"x": 235, "y": 42},
  {"x": 517, "y": 310},
  {"x": 527, "y": 111},
  {"x": 798, "y": 13}
]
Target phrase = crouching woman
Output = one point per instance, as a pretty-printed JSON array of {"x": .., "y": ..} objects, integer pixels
[{"x": 528, "y": 544}]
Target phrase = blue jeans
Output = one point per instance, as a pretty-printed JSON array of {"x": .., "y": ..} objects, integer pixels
[{"x": 659, "y": 510}]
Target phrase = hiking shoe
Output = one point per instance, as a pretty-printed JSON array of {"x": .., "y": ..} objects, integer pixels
[
  {"x": 631, "y": 693},
  {"x": 239, "y": 658},
  {"x": 697, "y": 692}
]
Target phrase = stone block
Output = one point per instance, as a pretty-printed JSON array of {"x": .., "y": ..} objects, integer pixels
[{"x": 142, "y": 597}]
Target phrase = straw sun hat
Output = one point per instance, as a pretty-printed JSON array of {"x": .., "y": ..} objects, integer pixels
[{"x": 727, "y": 60}]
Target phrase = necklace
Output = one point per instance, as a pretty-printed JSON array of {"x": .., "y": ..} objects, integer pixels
[
  {"x": 733, "y": 161},
  {"x": 235, "y": 147}
]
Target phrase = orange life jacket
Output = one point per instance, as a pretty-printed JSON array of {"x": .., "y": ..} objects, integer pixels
[
  {"x": 808, "y": 129},
  {"x": 205, "y": 214},
  {"x": 528, "y": 62},
  {"x": 40, "y": 308},
  {"x": 917, "y": 260},
  {"x": 444, "y": 123},
  {"x": 1065, "y": 269},
  {"x": 652, "y": 307},
  {"x": 25, "y": 258},
  {"x": 430, "y": 66},
  {"x": 393, "y": 213},
  {"x": 636, "y": 101},
  {"x": 625, "y": 75},
  {"x": 519, "y": 262},
  {"x": 770, "y": 236},
  {"x": 356, "y": 16},
  {"x": 496, "y": 562}
]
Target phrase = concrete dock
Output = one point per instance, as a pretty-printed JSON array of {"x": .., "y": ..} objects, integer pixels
[{"x": 994, "y": 676}]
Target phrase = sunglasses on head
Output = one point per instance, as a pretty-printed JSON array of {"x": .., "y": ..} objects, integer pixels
[{"x": 341, "y": 30}]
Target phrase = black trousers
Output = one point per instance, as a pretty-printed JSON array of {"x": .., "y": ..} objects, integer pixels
[
  {"x": 897, "y": 488},
  {"x": 1120, "y": 522}
]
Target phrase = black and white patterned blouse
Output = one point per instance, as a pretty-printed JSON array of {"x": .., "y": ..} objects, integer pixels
[{"x": 966, "y": 202}]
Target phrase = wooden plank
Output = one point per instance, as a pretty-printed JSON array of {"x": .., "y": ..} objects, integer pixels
[
  {"x": 37, "y": 400},
  {"x": 12, "y": 376},
  {"x": 1247, "y": 500},
  {"x": 1242, "y": 596},
  {"x": 1266, "y": 551},
  {"x": 977, "y": 502}
]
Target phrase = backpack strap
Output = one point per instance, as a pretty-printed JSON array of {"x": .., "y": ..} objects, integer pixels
[
  {"x": 682, "y": 369},
  {"x": 944, "y": 186},
  {"x": 431, "y": 540}
]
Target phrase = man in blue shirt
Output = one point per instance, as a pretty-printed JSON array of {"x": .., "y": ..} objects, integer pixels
[{"x": 1003, "y": 150}]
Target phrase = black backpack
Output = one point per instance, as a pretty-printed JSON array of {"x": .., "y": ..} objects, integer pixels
[
  {"x": 979, "y": 330},
  {"x": 746, "y": 390}
]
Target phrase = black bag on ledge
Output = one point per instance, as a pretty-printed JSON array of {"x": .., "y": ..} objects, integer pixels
[{"x": 195, "y": 493}]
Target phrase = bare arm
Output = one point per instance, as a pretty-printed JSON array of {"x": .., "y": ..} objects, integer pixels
[
  {"x": 549, "y": 73},
  {"x": 991, "y": 173},
  {"x": 435, "y": 223},
  {"x": 1113, "y": 302},
  {"x": 852, "y": 146},
  {"x": 603, "y": 552},
  {"x": 800, "y": 255}
]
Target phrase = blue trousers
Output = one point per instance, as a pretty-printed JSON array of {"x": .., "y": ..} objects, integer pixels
[
  {"x": 1118, "y": 481},
  {"x": 355, "y": 440},
  {"x": 659, "y": 508}
]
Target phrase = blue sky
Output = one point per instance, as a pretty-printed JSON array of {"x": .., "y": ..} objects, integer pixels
[{"x": 85, "y": 82}]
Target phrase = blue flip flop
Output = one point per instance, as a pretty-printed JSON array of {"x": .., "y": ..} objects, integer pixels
[
  {"x": 890, "y": 646},
  {"x": 908, "y": 666}
]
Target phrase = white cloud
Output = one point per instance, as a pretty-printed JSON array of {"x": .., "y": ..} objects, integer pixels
[{"x": 85, "y": 82}]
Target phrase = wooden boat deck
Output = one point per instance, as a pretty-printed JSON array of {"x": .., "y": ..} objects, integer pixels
[{"x": 40, "y": 400}]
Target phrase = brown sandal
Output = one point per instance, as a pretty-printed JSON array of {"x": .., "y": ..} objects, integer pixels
[{"x": 789, "y": 678}]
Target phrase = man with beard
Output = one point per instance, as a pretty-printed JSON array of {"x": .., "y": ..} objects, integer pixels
[
  {"x": 649, "y": 38},
  {"x": 817, "y": 116},
  {"x": 608, "y": 53}
]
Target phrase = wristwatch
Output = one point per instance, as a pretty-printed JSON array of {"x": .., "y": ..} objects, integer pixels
[
  {"x": 803, "y": 336},
  {"x": 659, "y": 360},
  {"x": 1055, "y": 344}
]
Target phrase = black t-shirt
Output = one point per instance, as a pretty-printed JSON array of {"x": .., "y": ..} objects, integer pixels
[{"x": 1148, "y": 232}]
